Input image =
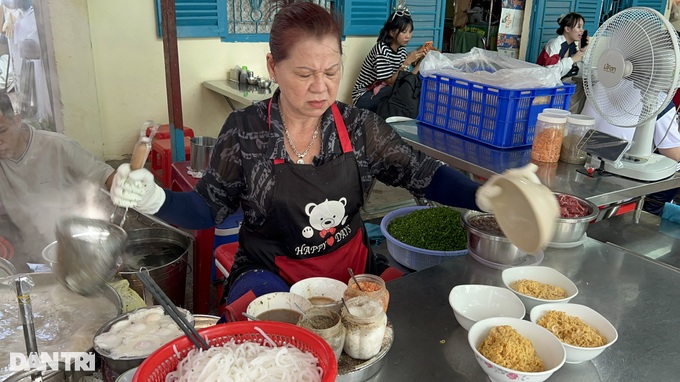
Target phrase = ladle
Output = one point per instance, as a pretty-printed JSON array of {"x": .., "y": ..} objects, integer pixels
[
  {"x": 89, "y": 250},
  {"x": 351, "y": 273}
]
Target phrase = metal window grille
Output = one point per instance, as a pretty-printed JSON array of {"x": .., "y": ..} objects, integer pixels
[{"x": 250, "y": 20}]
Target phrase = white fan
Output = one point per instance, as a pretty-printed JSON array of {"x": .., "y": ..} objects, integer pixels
[{"x": 630, "y": 74}]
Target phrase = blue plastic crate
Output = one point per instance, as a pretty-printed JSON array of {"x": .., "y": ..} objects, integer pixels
[{"x": 499, "y": 117}]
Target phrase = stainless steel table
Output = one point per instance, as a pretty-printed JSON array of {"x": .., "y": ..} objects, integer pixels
[
  {"x": 240, "y": 93},
  {"x": 638, "y": 295},
  {"x": 484, "y": 161},
  {"x": 651, "y": 236}
]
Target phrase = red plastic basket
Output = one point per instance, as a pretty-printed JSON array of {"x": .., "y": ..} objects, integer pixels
[{"x": 164, "y": 360}]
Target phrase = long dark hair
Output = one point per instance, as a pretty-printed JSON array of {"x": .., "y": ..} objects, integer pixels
[
  {"x": 298, "y": 19},
  {"x": 402, "y": 23},
  {"x": 569, "y": 20}
]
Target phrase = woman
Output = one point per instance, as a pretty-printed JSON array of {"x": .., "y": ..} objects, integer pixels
[
  {"x": 383, "y": 63},
  {"x": 562, "y": 52},
  {"x": 299, "y": 164}
]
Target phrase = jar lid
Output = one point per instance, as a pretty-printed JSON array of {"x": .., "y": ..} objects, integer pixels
[
  {"x": 552, "y": 118},
  {"x": 555, "y": 111},
  {"x": 580, "y": 119}
]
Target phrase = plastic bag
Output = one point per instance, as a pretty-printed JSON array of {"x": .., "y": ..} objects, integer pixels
[{"x": 490, "y": 68}]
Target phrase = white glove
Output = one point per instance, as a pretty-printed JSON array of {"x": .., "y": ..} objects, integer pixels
[
  {"x": 489, "y": 190},
  {"x": 136, "y": 189}
]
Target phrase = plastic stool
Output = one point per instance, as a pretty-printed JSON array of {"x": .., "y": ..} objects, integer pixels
[
  {"x": 224, "y": 260},
  {"x": 164, "y": 132},
  {"x": 161, "y": 159}
]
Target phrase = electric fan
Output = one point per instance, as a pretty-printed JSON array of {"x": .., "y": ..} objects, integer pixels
[{"x": 630, "y": 74}]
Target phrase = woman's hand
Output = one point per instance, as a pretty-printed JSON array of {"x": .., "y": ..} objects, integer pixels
[
  {"x": 578, "y": 57},
  {"x": 414, "y": 56}
]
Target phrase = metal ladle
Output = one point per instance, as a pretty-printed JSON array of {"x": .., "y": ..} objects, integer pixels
[{"x": 89, "y": 251}]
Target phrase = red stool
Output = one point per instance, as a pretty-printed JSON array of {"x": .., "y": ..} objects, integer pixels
[
  {"x": 163, "y": 132},
  {"x": 161, "y": 159},
  {"x": 224, "y": 260}
]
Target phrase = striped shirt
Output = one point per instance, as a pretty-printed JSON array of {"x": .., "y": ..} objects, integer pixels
[{"x": 380, "y": 64}]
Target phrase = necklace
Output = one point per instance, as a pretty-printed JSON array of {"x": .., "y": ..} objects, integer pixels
[{"x": 300, "y": 155}]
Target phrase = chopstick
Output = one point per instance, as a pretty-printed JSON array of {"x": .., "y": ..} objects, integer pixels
[{"x": 171, "y": 309}]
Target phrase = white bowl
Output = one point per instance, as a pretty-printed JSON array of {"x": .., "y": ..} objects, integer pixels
[
  {"x": 545, "y": 275},
  {"x": 320, "y": 288},
  {"x": 472, "y": 303},
  {"x": 279, "y": 301},
  {"x": 526, "y": 212},
  {"x": 577, "y": 354},
  {"x": 548, "y": 348}
]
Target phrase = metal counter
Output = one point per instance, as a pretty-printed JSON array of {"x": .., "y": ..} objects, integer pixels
[
  {"x": 652, "y": 236},
  {"x": 483, "y": 161},
  {"x": 638, "y": 295}
]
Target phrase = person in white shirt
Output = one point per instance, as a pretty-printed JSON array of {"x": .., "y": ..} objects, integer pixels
[
  {"x": 666, "y": 141},
  {"x": 43, "y": 176}
]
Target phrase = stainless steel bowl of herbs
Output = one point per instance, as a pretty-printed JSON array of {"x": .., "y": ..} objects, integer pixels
[
  {"x": 486, "y": 240},
  {"x": 420, "y": 237}
]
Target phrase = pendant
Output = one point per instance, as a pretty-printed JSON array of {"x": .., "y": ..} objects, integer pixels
[{"x": 300, "y": 161}]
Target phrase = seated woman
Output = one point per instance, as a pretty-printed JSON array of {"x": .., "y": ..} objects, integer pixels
[
  {"x": 383, "y": 63},
  {"x": 562, "y": 52}
]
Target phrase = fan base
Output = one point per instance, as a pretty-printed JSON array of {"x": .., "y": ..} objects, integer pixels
[{"x": 656, "y": 167}]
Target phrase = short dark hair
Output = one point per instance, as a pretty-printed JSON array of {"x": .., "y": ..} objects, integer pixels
[
  {"x": 296, "y": 19},
  {"x": 6, "y": 107},
  {"x": 569, "y": 20},
  {"x": 401, "y": 23}
]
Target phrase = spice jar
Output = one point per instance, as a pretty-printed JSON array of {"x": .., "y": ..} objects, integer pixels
[
  {"x": 328, "y": 325},
  {"x": 365, "y": 322},
  {"x": 556, "y": 111},
  {"x": 577, "y": 125},
  {"x": 371, "y": 286},
  {"x": 548, "y": 138}
]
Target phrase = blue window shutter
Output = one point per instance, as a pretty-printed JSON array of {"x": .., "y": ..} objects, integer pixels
[
  {"x": 365, "y": 17},
  {"x": 198, "y": 18},
  {"x": 428, "y": 23},
  {"x": 659, "y": 5},
  {"x": 591, "y": 11}
]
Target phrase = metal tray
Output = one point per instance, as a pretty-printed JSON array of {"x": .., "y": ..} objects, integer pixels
[{"x": 352, "y": 370}]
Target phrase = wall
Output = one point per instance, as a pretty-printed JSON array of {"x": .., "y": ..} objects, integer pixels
[{"x": 111, "y": 72}]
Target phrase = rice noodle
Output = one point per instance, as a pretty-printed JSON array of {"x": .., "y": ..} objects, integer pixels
[{"x": 247, "y": 361}]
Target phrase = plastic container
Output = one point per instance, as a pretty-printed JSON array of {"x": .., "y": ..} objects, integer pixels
[
  {"x": 365, "y": 323},
  {"x": 577, "y": 125},
  {"x": 327, "y": 324},
  {"x": 409, "y": 256},
  {"x": 557, "y": 112},
  {"x": 372, "y": 286},
  {"x": 548, "y": 139},
  {"x": 496, "y": 116},
  {"x": 243, "y": 75}
]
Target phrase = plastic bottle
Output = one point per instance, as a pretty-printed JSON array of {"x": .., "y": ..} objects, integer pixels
[
  {"x": 577, "y": 125},
  {"x": 548, "y": 138},
  {"x": 243, "y": 76}
]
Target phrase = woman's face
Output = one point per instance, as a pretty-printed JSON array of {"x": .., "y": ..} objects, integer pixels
[
  {"x": 401, "y": 38},
  {"x": 574, "y": 34},
  {"x": 309, "y": 77}
]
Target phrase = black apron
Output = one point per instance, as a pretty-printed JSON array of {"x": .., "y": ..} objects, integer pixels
[{"x": 313, "y": 226}]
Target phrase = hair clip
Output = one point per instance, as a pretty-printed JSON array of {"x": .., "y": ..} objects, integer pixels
[
  {"x": 559, "y": 19},
  {"x": 400, "y": 10}
]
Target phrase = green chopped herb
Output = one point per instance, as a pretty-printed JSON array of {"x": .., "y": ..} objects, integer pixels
[{"x": 435, "y": 228}]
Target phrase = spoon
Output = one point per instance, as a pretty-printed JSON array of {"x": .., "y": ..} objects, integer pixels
[
  {"x": 302, "y": 311},
  {"x": 351, "y": 273},
  {"x": 345, "y": 304}
]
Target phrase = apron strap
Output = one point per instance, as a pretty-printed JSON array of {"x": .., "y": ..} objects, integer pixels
[{"x": 342, "y": 129}]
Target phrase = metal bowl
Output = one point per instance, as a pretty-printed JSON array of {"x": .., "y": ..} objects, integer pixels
[
  {"x": 489, "y": 246},
  {"x": 264, "y": 83},
  {"x": 252, "y": 80},
  {"x": 572, "y": 230}
]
